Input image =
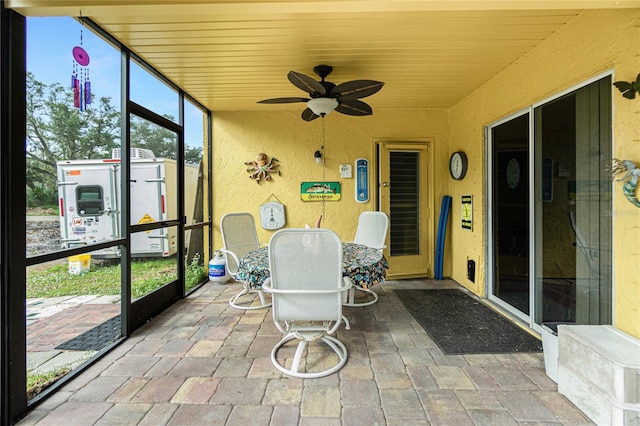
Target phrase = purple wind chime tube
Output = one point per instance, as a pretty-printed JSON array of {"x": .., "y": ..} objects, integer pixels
[{"x": 80, "y": 78}]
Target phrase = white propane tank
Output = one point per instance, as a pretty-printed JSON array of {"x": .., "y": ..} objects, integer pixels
[{"x": 217, "y": 268}]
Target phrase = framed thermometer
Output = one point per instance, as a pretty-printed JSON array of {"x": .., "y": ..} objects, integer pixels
[{"x": 362, "y": 180}]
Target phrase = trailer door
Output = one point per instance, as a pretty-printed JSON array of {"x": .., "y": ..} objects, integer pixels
[
  {"x": 148, "y": 204},
  {"x": 89, "y": 211}
]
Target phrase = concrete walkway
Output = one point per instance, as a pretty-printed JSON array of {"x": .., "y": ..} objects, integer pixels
[
  {"x": 204, "y": 363},
  {"x": 53, "y": 320}
]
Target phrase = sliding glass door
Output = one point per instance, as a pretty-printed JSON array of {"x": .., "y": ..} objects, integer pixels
[
  {"x": 573, "y": 206},
  {"x": 511, "y": 212},
  {"x": 550, "y": 209}
]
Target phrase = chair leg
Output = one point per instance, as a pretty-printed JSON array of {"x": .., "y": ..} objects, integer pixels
[
  {"x": 336, "y": 345},
  {"x": 233, "y": 302},
  {"x": 295, "y": 365},
  {"x": 351, "y": 296},
  {"x": 263, "y": 302},
  {"x": 347, "y": 325}
]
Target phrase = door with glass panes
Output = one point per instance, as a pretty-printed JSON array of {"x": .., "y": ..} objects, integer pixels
[
  {"x": 549, "y": 227},
  {"x": 404, "y": 197}
]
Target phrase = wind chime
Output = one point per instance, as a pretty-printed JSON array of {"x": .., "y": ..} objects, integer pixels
[{"x": 80, "y": 77}]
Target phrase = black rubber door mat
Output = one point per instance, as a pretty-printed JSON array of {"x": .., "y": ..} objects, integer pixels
[
  {"x": 96, "y": 338},
  {"x": 460, "y": 324}
]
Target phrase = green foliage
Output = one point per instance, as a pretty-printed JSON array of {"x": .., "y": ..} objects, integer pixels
[
  {"x": 40, "y": 195},
  {"x": 192, "y": 155},
  {"x": 148, "y": 275},
  {"x": 56, "y": 130},
  {"x": 162, "y": 142},
  {"x": 102, "y": 279},
  {"x": 195, "y": 273},
  {"x": 37, "y": 382}
]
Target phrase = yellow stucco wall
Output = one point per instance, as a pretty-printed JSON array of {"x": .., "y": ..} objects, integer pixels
[
  {"x": 595, "y": 42},
  {"x": 239, "y": 136}
]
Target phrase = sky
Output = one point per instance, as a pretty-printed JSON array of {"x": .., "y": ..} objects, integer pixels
[{"x": 50, "y": 42}]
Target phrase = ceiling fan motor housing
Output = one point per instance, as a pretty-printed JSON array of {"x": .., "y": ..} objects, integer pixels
[{"x": 322, "y": 70}]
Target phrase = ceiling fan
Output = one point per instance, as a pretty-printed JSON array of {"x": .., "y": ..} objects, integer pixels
[{"x": 325, "y": 96}]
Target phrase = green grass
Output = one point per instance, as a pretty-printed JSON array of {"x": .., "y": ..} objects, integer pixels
[
  {"x": 36, "y": 383},
  {"x": 104, "y": 278}
]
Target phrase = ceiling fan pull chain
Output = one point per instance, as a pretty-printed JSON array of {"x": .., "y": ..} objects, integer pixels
[{"x": 324, "y": 166}]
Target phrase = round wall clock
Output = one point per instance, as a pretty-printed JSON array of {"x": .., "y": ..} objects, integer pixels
[
  {"x": 458, "y": 165},
  {"x": 513, "y": 173},
  {"x": 272, "y": 215}
]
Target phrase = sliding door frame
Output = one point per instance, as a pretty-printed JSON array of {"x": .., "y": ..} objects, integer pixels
[
  {"x": 534, "y": 214},
  {"x": 490, "y": 217}
]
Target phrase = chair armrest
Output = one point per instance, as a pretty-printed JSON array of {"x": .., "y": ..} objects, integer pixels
[
  {"x": 266, "y": 287},
  {"x": 235, "y": 258},
  {"x": 347, "y": 283}
]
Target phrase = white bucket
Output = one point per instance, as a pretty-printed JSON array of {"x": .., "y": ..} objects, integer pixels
[
  {"x": 218, "y": 269},
  {"x": 550, "y": 351}
]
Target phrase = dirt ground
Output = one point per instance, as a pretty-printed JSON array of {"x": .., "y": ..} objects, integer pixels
[
  {"x": 39, "y": 211},
  {"x": 43, "y": 236}
]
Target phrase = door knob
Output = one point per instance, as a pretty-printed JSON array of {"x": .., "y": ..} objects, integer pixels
[{"x": 385, "y": 184}]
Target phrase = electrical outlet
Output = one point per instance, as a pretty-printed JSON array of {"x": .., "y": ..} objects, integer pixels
[{"x": 471, "y": 270}]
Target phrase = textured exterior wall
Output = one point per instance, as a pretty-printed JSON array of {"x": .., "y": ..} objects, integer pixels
[
  {"x": 239, "y": 136},
  {"x": 595, "y": 42}
]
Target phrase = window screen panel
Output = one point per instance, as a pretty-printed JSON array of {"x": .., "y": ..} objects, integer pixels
[{"x": 404, "y": 203}]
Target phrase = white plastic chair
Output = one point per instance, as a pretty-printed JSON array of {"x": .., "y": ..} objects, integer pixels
[
  {"x": 239, "y": 237},
  {"x": 307, "y": 288},
  {"x": 372, "y": 232},
  {"x": 372, "y": 229}
]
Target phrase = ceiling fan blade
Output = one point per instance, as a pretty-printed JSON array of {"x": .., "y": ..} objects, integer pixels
[
  {"x": 354, "y": 107},
  {"x": 306, "y": 83},
  {"x": 356, "y": 89},
  {"x": 283, "y": 100},
  {"x": 308, "y": 115}
]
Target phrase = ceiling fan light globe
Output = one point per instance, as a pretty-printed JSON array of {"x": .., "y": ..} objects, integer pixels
[{"x": 322, "y": 106}]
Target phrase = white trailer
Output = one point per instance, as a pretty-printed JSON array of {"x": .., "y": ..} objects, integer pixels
[{"x": 90, "y": 202}]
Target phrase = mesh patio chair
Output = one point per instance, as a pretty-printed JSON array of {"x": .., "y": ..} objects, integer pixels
[
  {"x": 372, "y": 232},
  {"x": 372, "y": 229},
  {"x": 307, "y": 289},
  {"x": 239, "y": 237}
]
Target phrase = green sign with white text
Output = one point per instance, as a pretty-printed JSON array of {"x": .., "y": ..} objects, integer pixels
[{"x": 320, "y": 191}]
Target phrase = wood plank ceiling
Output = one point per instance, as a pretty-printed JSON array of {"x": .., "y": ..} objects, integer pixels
[{"x": 230, "y": 54}]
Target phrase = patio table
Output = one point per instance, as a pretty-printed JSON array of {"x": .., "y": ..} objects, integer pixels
[{"x": 365, "y": 266}]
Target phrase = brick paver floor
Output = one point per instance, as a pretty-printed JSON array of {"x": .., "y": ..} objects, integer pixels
[{"x": 202, "y": 362}]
